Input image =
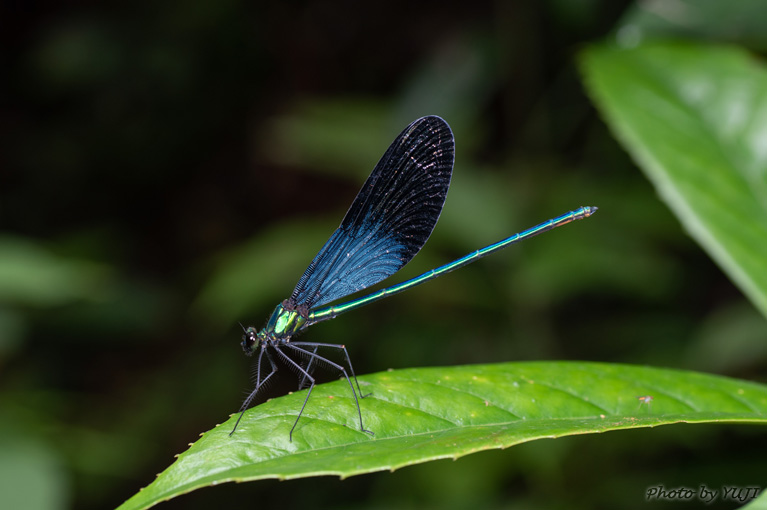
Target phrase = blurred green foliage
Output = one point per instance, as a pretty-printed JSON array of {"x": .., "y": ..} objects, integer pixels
[{"x": 170, "y": 169}]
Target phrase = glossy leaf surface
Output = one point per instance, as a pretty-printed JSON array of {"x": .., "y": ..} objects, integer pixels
[
  {"x": 694, "y": 118},
  {"x": 420, "y": 415}
]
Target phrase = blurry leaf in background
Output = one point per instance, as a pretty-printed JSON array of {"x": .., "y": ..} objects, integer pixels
[
  {"x": 336, "y": 136},
  {"x": 695, "y": 119},
  {"x": 78, "y": 295},
  {"x": 455, "y": 82},
  {"x": 249, "y": 280},
  {"x": 347, "y": 135},
  {"x": 32, "y": 275},
  {"x": 12, "y": 330},
  {"x": 739, "y": 21},
  {"x": 77, "y": 55},
  {"x": 32, "y": 475},
  {"x": 732, "y": 340}
]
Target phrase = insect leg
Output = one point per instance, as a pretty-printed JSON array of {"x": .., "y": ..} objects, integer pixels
[
  {"x": 259, "y": 384},
  {"x": 297, "y": 346}
]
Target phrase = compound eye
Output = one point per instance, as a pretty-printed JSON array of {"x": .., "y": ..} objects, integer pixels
[{"x": 249, "y": 340}]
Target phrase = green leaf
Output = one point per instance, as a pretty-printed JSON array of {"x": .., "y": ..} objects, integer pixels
[
  {"x": 31, "y": 274},
  {"x": 425, "y": 414},
  {"x": 711, "y": 20},
  {"x": 694, "y": 118},
  {"x": 760, "y": 503}
]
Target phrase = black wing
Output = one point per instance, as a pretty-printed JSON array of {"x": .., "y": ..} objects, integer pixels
[{"x": 390, "y": 219}]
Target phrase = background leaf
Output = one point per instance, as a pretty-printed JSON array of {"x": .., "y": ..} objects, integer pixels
[
  {"x": 694, "y": 118},
  {"x": 434, "y": 413}
]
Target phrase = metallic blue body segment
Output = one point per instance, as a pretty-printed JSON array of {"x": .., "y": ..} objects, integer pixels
[
  {"x": 329, "y": 312},
  {"x": 390, "y": 219}
]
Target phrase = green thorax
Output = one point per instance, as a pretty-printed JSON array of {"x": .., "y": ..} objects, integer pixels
[{"x": 284, "y": 322}]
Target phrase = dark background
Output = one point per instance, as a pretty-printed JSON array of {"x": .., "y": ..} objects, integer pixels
[{"x": 169, "y": 169}]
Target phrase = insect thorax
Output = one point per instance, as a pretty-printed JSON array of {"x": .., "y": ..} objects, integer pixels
[{"x": 284, "y": 322}]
